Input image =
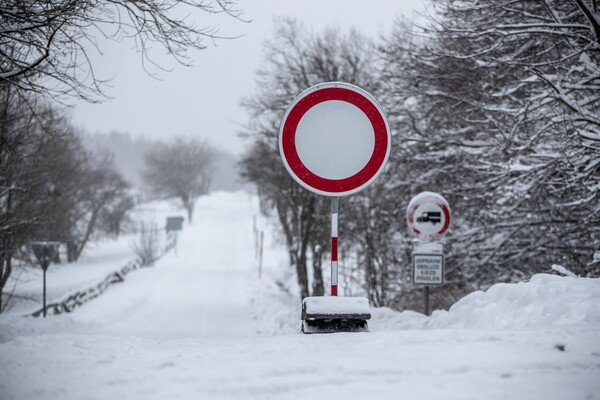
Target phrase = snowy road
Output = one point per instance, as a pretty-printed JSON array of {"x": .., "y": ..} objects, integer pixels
[
  {"x": 201, "y": 291},
  {"x": 436, "y": 364},
  {"x": 186, "y": 329}
]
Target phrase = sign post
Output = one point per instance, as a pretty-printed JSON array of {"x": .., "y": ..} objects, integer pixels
[
  {"x": 174, "y": 224},
  {"x": 428, "y": 217},
  {"x": 260, "y": 253},
  {"x": 45, "y": 253},
  {"x": 334, "y": 140}
]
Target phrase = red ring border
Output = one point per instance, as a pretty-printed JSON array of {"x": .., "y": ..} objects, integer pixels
[
  {"x": 335, "y": 186},
  {"x": 410, "y": 218}
]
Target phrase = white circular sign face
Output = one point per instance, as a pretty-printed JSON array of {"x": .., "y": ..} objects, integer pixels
[
  {"x": 343, "y": 133},
  {"x": 334, "y": 139},
  {"x": 428, "y": 215}
]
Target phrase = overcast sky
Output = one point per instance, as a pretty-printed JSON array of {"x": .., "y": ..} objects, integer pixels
[{"x": 203, "y": 100}]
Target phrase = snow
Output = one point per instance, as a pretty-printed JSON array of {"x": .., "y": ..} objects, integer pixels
[
  {"x": 98, "y": 259},
  {"x": 424, "y": 247},
  {"x": 518, "y": 167},
  {"x": 562, "y": 270},
  {"x": 336, "y": 305},
  {"x": 546, "y": 301},
  {"x": 202, "y": 325}
]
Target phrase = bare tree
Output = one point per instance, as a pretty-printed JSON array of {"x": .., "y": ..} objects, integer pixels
[
  {"x": 51, "y": 188},
  {"x": 100, "y": 188},
  {"x": 115, "y": 216},
  {"x": 44, "y": 44},
  {"x": 181, "y": 169}
]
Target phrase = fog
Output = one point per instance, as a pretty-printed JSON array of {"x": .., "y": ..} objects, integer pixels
[{"x": 203, "y": 100}]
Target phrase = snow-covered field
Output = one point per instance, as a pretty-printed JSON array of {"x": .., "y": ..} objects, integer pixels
[{"x": 201, "y": 325}]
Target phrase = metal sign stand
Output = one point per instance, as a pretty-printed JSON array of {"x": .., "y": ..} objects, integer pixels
[
  {"x": 334, "y": 140},
  {"x": 44, "y": 252},
  {"x": 44, "y": 303},
  {"x": 428, "y": 268},
  {"x": 174, "y": 224},
  {"x": 427, "y": 300},
  {"x": 428, "y": 218},
  {"x": 175, "y": 245},
  {"x": 260, "y": 253}
]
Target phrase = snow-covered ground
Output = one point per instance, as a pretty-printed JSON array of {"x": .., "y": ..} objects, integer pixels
[
  {"x": 202, "y": 325},
  {"x": 98, "y": 259}
]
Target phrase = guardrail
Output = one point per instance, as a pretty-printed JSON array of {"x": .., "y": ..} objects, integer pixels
[{"x": 81, "y": 297}]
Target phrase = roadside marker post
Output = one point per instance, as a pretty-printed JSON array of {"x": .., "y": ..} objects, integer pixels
[
  {"x": 45, "y": 253},
  {"x": 428, "y": 218},
  {"x": 260, "y": 253},
  {"x": 334, "y": 141}
]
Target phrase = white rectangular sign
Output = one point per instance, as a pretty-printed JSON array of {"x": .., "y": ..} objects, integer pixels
[{"x": 428, "y": 269}]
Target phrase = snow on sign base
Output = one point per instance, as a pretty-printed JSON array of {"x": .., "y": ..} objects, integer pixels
[
  {"x": 321, "y": 307},
  {"x": 334, "y": 139}
]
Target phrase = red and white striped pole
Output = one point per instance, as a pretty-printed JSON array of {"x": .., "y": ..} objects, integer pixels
[{"x": 334, "y": 245}]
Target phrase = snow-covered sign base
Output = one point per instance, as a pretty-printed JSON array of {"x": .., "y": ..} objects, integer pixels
[
  {"x": 335, "y": 314},
  {"x": 335, "y": 307}
]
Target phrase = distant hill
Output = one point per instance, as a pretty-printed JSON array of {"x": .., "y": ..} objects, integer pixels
[{"x": 128, "y": 155}]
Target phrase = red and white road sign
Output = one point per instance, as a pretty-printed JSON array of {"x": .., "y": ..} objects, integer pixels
[
  {"x": 428, "y": 215},
  {"x": 334, "y": 139}
]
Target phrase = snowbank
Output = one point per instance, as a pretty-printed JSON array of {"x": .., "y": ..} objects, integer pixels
[
  {"x": 13, "y": 326},
  {"x": 544, "y": 301}
]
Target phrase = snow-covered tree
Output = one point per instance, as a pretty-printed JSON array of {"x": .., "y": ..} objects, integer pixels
[{"x": 500, "y": 102}]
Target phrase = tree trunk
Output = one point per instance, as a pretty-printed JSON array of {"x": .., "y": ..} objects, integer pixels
[
  {"x": 71, "y": 251},
  {"x": 317, "y": 288},
  {"x": 5, "y": 271},
  {"x": 302, "y": 273},
  {"x": 78, "y": 248},
  {"x": 6, "y": 254},
  {"x": 371, "y": 272},
  {"x": 294, "y": 250},
  {"x": 189, "y": 207},
  {"x": 117, "y": 227}
]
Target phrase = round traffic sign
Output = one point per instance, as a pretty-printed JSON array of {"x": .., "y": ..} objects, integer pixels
[
  {"x": 428, "y": 215},
  {"x": 334, "y": 139}
]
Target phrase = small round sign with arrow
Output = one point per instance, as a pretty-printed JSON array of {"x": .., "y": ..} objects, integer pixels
[{"x": 428, "y": 216}]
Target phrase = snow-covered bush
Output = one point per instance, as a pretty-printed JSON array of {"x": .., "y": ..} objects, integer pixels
[{"x": 147, "y": 245}]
